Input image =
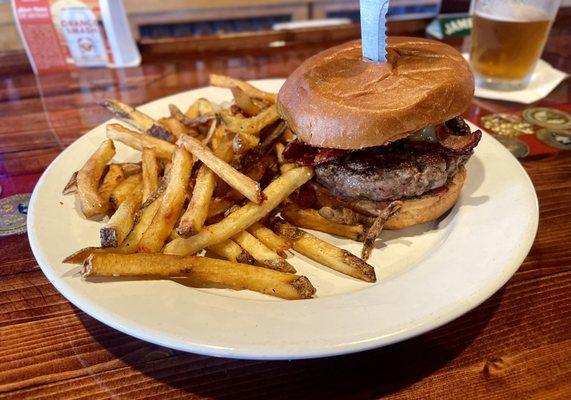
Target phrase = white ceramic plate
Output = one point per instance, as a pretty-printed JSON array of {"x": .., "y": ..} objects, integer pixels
[{"x": 427, "y": 275}]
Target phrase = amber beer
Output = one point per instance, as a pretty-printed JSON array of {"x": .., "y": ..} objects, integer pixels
[{"x": 506, "y": 48}]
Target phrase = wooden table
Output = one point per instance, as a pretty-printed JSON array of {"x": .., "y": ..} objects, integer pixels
[{"x": 515, "y": 345}]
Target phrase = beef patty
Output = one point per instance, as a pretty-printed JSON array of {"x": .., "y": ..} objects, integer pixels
[{"x": 387, "y": 172}]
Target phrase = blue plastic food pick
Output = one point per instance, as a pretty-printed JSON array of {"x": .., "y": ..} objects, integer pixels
[{"x": 373, "y": 30}]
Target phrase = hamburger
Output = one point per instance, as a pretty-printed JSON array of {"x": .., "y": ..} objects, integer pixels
[{"x": 386, "y": 140}]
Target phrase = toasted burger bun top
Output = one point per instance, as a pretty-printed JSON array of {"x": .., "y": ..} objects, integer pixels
[{"x": 336, "y": 99}]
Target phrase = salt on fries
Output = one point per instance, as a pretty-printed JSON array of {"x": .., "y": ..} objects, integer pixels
[{"x": 163, "y": 210}]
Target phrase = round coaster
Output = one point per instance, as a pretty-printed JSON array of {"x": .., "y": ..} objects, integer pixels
[
  {"x": 548, "y": 117},
  {"x": 557, "y": 138},
  {"x": 13, "y": 210},
  {"x": 518, "y": 148},
  {"x": 506, "y": 125}
]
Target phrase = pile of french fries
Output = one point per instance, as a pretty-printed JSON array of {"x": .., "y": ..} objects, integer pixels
[{"x": 211, "y": 179}]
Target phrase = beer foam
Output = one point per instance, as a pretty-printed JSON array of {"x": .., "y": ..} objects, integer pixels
[{"x": 507, "y": 12}]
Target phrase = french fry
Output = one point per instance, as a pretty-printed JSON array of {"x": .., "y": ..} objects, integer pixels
[
  {"x": 200, "y": 270},
  {"x": 227, "y": 82},
  {"x": 210, "y": 134},
  {"x": 266, "y": 145},
  {"x": 150, "y": 172},
  {"x": 245, "y": 102},
  {"x": 219, "y": 206},
  {"x": 221, "y": 136},
  {"x": 284, "y": 166},
  {"x": 289, "y": 136},
  {"x": 324, "y": 253},
  {"x": 375, "y": 230},
  {"x": 261, "y": 253},
  {"x": 130, "y": 168},
  {"x": 275, "y": 193},
  {"x": 112, "y": 178},
  {"x": 227, "y": 249},
  {"x": 205, "y": 107},
  {"x": 138, "y": 141},
  {"x": 231, "y": 251},
  {"x": 197, "y": 211},
  {"x": 178, "y": 129},
  {"x": 310, "y": 219},
  {"x": 244, "y": 141},
  {"x": 265, "y": 235},
  {"x": 144, "y": 220},
  {"x": 193, "y": 110},
  {"x": 136, "y": 119},
  {"x": 88, "y": 178},
  {"x": 255, "y": 172},
  {"x": 81, "y": 255},
  {"x": 171, "y": 205},
  {"x": 230, "y": 175},
  {"x": 122, "y": 221},
  {"x": 193, "y": 219},
  {"x": 184, "y": 119},
  {"x": 252, "y": 125},
  {"x": 159, "y": 190},
  {"x": 71, "y": 185},
  {"x": 123, "y": 190}
]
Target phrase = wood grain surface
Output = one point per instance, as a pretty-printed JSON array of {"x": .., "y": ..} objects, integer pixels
[{"x": 516, "y": 345}]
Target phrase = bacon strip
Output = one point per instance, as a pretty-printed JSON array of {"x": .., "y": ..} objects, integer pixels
[
  {"x": 307, "y": 155},
  {"x": 449, "y": 143}
]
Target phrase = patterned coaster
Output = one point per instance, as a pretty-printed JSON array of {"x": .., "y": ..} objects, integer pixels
[
  {"x": 506, "y": 125},
  {"x": 557, "y": 138},
  {"x": 13, "y": 211},
  {"x": 547, "y": 117}
]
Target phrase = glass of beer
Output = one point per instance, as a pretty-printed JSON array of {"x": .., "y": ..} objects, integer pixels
[{"x": 508, "y": 37}]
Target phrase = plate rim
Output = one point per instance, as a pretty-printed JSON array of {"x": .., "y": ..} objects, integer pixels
[{"x": 103, "y": 315}]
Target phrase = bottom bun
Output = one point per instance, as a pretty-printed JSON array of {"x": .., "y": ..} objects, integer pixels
[{"x": 429, "y": 207}]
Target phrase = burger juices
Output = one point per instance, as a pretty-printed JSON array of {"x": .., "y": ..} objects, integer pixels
[{"x": 386, "y": 139}]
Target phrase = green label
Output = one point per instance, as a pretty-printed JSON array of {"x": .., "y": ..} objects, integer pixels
[{"x": 456, "y": 25}]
